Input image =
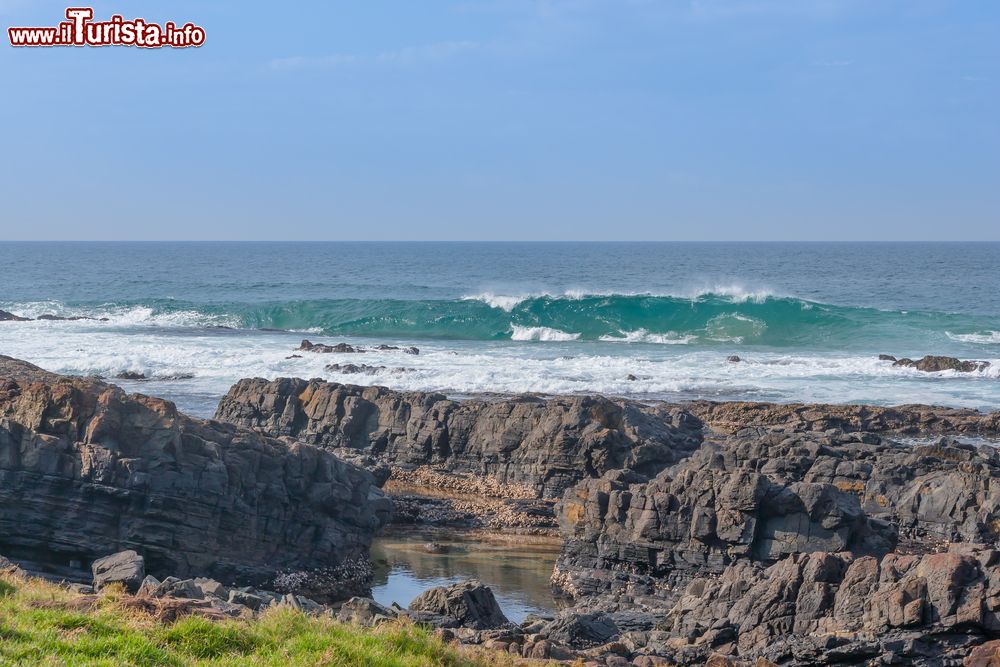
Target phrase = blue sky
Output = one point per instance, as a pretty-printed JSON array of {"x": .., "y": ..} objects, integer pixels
[{"x": 512, "y": 119}]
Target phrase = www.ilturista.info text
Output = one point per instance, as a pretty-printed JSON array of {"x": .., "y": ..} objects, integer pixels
[{"x": 81, "y": 30}]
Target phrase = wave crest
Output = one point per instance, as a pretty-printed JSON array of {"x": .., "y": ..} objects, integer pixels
[{"x": 988, "y": 338}]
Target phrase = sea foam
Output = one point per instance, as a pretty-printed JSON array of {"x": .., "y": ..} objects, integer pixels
[
  {"x": 990, "y": 338},
  {"x": 541, "y": 334},
  {"x": 643, "y": 336}
]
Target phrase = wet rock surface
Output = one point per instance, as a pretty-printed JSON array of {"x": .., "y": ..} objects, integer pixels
[
  {"x": 545, "y": 444},
  {"x": 11, "y": 317},
  {"x": 936, "y": 364},
  {"x": 87, "y": 469}
]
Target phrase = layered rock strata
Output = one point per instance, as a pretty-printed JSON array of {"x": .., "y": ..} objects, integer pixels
[
  {"x": 86, "y": 469},
  {"x": 545, "y": 444}
]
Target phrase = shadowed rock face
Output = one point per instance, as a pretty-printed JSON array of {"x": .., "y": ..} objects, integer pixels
[
  {"x": 86, "y": 470},
  {"x": 547, "y": 445}
]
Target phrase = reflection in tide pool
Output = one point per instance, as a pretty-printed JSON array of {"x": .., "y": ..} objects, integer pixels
[{"x": 516, "y": 567}]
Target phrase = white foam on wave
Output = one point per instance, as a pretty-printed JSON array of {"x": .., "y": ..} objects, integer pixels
[
  {"x": 990, "y": 338},
  {"x": 503, "y": 302},
  {"x": 734, "y": 293},
  {"x": 114, "y": 314},
  {"x": 546, "y": 334},
  {"x": 643, "y": 336}
]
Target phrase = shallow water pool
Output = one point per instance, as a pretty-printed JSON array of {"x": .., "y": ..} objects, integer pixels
[{"x": 517, "y": 568}]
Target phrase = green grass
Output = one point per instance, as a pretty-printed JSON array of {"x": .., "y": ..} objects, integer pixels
[{"x": 42, "y": 624}]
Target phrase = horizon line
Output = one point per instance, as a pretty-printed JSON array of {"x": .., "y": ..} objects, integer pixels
[{"x": 603, "y": 241}]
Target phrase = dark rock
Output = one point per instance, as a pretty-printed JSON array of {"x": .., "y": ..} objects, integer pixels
[
  {"x": 922, "y": 420},
  {"x": 247, "y": 598},
  {"x": 823, "y": 608},
  {"x": 130, "y": 375},
  {"x": 125, "y": 567},
  {"x": 886, "y": 357},
  {"x": 733, "y": 359},
  {"x": 60, "y": 318},
  {"x": 934, "y": 364},
  {"x": 581, "y": 630},
  {"x": 294, "y": 356},
  {"x": 11, "y": 317},
  {"x": 149, "y": 586},
  {"x": 327, "y": 349},
  {"x": 411, "y": 350},
  {"x": 469, "y": 603},
  {"x": 365, "y": 612},
  {"x": 762, "y": 496},
  {"x": 546, "y": 445},
  {"x": 631, "y": 378},
  {"x": 364, "y": 369},
  {"x": 87, "y": 469},
  {"x": 384, "y": 347}
]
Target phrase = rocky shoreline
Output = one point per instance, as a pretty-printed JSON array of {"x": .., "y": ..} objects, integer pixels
[
  {"x": 699, "y": 533},
  {"x": 87, "y": 469}
]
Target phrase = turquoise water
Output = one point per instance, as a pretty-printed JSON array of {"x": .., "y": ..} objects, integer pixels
[{"x": 807, "y": 319}]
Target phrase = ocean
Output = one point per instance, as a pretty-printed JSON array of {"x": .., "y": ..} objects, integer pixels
[{"x": 646, "y": 320}]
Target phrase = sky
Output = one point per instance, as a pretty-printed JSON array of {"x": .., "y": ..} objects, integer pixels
[{"x": 511, "y": 120}]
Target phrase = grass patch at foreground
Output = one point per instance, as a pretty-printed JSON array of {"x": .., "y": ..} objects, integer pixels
[{"x": 43, "y": 624}]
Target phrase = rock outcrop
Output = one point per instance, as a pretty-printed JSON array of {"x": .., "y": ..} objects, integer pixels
[
  {"x": 11, "y": 317},
  {"x": 86, "y": 469},
  {"x": 936, "y": 364},
  {"x": 796, "y": 548},
  {"x": 545, "y": 444},
  {"x": 823, "y": 608},
  {"x": 762, "y": 495},
  {"x": 908, "y": 420}
]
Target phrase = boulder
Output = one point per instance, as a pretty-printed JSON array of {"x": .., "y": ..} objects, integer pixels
[
  {"x": 125, "y": 567},
  {"x": 581, "y": 630},
  {"x": 87, "y": 469},
  {"x": 365, "y": 612},
  {"x": 246, "y": 597},
  {"x": 470, "y": 604},
  {"x": 11, "y": 317}
]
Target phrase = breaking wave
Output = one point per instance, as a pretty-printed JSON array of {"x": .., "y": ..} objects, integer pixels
[{"x": 721, "y": 316}]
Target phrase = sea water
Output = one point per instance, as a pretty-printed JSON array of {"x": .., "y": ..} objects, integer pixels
[{"x": 647, "y": 320}]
